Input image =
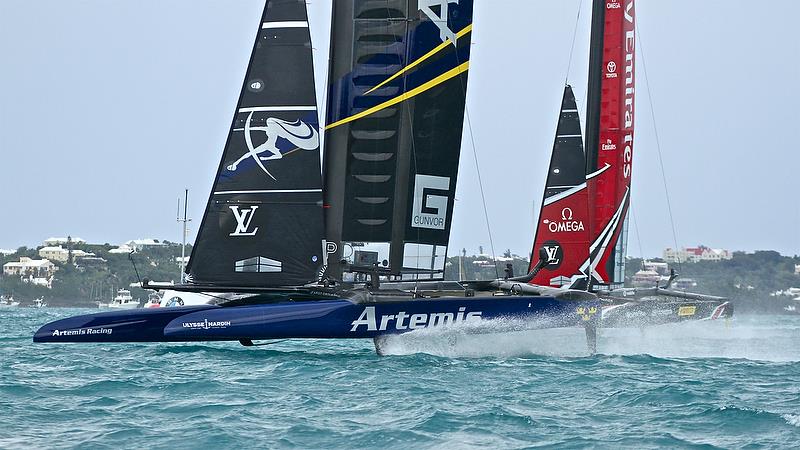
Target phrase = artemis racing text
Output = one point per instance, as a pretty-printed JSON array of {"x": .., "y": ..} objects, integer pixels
[{"x": 404, "y": 321}]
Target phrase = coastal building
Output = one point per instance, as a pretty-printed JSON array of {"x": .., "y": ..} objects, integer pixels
[
  {"x": 140, "y": 244},
  {"x": 61, "y": 254},
  {"x": 695, "y": 254},
  {"x": 797, "y": 269},
  {"x": 121, "y": 250},
  {"x": 6, "y": 252},
  {"x": 30, "y": 268},
  {"x": 53, "y": 241}
]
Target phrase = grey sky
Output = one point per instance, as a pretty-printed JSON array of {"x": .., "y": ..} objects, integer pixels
[{"x": 109, "y": 108}]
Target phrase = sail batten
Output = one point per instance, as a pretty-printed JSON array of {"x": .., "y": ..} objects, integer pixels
[{"x": 263, "y": 224}]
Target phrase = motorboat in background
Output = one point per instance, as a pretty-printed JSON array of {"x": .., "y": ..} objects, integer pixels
[
  {"x": 124, "y": 300},
  {"x": 8, "y": 302}
]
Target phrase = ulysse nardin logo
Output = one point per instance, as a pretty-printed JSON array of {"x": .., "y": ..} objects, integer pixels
[
  {"x": 430, "y": 202},
  {"x": 567, "y": 224},
  {"x": 206, "y": 325},
  {"x": 244, "y": 217},
  {"x": 405, "y": 321},
  {"x": 298, "y": 133},
  {"x": 440, "y": 18}
]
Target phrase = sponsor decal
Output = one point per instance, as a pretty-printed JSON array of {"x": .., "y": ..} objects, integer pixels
[
  {"x": 440, "y": 18},
  {"x": 555, "y": 254},
  {"x": 405, "y": 321},
  {"x": 206, "y": 325},
  {"x": 630, "y": 49},
  {"x": 686, "y": 311},
  {"x": 258, "y": 264},
  {"x": 586, "y": 314},
  {"x": 566, "y": 225},
  {"x": 611, "y": 69},
  {"x": 256, "y": 85},
  {"x": 609, "y": 145},
  {"x": 430, "y": 202},
  {"x": 298, "y": 133},
  {"x": 83, "y": 332},
  {"x": 244, "y": 217},
  {"x": 613, "y": 5}
]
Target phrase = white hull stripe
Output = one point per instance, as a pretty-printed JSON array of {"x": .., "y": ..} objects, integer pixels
[
  {"x": 269, "y": 191},
  {"x": 565, "y": 194},
  {"x": 277, "y": 108},
  {"x": 568, "y": 136},
  {"x": 569, "y": 110},
  {"x": 294, "y": 24}
]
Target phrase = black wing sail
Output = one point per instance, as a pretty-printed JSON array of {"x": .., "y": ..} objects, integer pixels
[
  {"x": 398, "y": 77},
  {"x": 263, "y": 225}
]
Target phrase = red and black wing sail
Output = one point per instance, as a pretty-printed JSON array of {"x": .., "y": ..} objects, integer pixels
[
  {"x": 609, "y": 135},
  {"x": 562, "y": 228}
]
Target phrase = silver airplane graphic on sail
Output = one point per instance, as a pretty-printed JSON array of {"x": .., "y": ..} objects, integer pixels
[{"x": 298, "y": 133}]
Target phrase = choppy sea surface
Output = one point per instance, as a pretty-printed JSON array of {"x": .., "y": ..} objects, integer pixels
[{"x": 689, "y": 385}]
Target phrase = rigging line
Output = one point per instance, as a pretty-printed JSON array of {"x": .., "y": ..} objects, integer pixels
[
  {"x": 478, "y": 167},
  {"x": 636, "y": 229},
  {"x": 572, "y": 47},
  {"x": 658, "y": 143},
  {"x": 480, "y": 185}
]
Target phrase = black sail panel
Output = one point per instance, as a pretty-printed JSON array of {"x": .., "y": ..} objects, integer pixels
[
  {"x": 398, "y": 80},
  {"x": 263, "y": 225}
]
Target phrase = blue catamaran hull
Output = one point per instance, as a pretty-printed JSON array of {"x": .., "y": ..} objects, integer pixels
[{"x": 336, "y": 318}]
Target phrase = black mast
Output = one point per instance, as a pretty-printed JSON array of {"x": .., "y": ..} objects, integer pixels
[{"x": 595, "y": 80}]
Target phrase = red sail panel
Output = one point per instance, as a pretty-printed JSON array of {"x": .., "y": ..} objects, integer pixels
[
  {"x": 609, "y": 187},
  {"x": 563, "y": 231}
]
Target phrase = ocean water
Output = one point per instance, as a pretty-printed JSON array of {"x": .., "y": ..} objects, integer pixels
[{"x": 691, "y": 385}]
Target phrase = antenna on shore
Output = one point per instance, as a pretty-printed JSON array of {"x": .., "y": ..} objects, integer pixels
[{"x": 185, "y": 221}]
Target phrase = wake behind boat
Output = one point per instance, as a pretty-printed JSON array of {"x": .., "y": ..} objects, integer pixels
[{"x": 362, "y": 255}]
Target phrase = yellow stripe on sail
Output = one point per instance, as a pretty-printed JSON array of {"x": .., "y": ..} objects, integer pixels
[
  {"x": 419, "y": 61},
  {"x": 403, "y": 97}
]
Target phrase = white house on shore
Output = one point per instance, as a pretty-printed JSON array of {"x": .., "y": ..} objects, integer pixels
[
  {"x": 53, "y": 241},
  {"x": 35, "y": 271},
  {"x": 695, "y": 254},
  {"x": 140, "y": 244},
  {"x": 61, "y": 254}
]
